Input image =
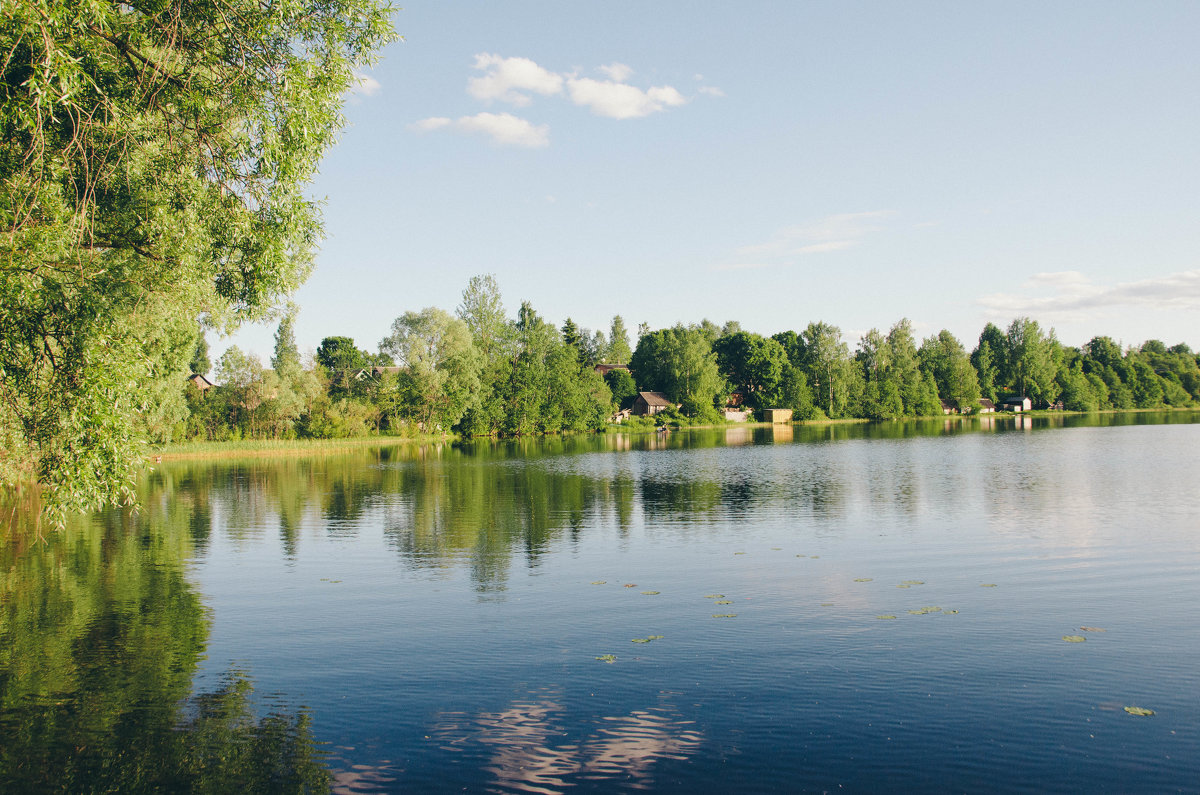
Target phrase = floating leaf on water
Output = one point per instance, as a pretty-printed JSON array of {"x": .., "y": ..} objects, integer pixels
[
  {"x": 654, "y": 637},
  {"x": 607, "y": 658},
  {"x": 776, "y": 549},
  {"x": 1074, "y": 638},
  {"x": 640, "y": 640},
  {"x": 862, "y": 579},
  {"x": 802, "y": 556},
  {"x": 723, "y": 602},
  {"x": 1142, "y": 711},
  {"x": 724, "y": 615},
  {"x": 902, "y": 585},
  {"x": 988, "y": 585},
  {"x": 913, "y": 582},
  {"x": 886, "y": 618},
  {"x": 1092, "y": 629},
  {"x": 814, "y": 556},
  {"x": 631, "y": 585},
  {"x": 925, "y": 610},
  {"x": 739, "y": 553},
  {"x": 598, "y": 582},
  {"x": 826, "y": 604},
  {"x": 949, "y": 611},
  {"x": 714, "y": 596},
  {"x": 651, "y": 593}
]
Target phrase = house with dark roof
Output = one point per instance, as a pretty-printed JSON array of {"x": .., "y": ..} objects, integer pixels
[
  {"x": 200, "y": 382},
  {"x": 986, "y": 406},
  {"x": 649, "y": 403}
]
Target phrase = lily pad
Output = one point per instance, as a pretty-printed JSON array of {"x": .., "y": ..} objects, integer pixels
[
  {"x": 607, "y": 658},
  {"x": 714, "y": 596},
  {"x": 723, "y": 602},
  {"x": 1074, "y": 638},
  {"x": 651, "y": 593},
  {"x": 630, "y": 585},
  {"x": 814, "y": 556},
  {"x": 1092, "y": 629},
  {"x": 598, "y": 582},
  {"x": 913, "y": 582},
  {"x": 988, "y": 585},
  {"x": 724, "y": 615},
  {"x": 886, "y": 618},
  {"x": 902, "y": 585},
  {"x": 948, "y": 612},
  {"x": 739, "y": 553},
  {"x": 921, "y": 611},
  {"x": 646, "y": 639},
  {"x": 863, "y": 579},
  {"x": 1142, "y": 711},
  {"x": 654, "y": 637},
  {"x": 826, "y": 604}
]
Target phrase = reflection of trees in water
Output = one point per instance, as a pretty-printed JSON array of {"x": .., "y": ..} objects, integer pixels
[
  {"x": 100, "y": 635},
  {"x": 523, "y": 749}
]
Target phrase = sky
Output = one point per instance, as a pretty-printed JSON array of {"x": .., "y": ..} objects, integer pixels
[{"x": 773, "y": 163}]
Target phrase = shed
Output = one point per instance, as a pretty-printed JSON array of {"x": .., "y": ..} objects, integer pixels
[
  {"x": 986, "y": 406},
  {"x": 949, "y": 408},
  {"x": 647, "y": 403},
  {"x": 1017, "y": 404},
  {"x": 604, "y": 369},
  {"x": 200, "y": 382},
  {"x": 777, "y": 415}
]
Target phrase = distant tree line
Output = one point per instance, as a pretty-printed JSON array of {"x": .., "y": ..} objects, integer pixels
[{"x": 481, "y": 373}]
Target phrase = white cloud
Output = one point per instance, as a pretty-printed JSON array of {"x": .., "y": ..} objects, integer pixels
[
  {"x": 621, "y": 100},
  {"x": 509, "y": 80},
  {"x": 365, "y": 85},
  {"x": 617, "y": 71},
  {"x": 712, "y": 91},
  {"x": 1076, "y": 297},
  {"x": 504, "y": 129}
]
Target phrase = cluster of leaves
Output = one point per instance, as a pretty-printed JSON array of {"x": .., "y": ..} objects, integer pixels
[{"x": 152, "y": 164}]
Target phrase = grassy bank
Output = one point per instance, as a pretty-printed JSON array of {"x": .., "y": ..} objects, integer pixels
[{"x": 283, "y": 447}]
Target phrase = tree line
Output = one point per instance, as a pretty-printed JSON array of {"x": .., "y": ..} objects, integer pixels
[{"x": 478, "y": 372}]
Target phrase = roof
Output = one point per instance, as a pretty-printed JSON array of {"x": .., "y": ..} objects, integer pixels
[
  {"x": 200, "y": 381},
  {"x": 604, "y": 368},
  {"x": 655, "y": 399},
  {"x": 987, "y": 404}
]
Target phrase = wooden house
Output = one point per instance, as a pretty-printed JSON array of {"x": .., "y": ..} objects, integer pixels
[
  {"x": 1017, "y": 404},
  {"x": 604, "y": 369},
  {"x": 777, "y": 415},
  {"x": 986, "y": 406},
  {"x": 649, "y": 403},
  {"x": 201, "y": 383},
  {"x": 949, "y": 408}
]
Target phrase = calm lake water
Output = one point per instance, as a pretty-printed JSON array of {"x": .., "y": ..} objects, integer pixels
[{"x": 858, "y": 608}]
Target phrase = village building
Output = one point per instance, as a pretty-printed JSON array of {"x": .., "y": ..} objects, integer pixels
[
  {"x": 201, "y": 383},
  {"x": 604, "y": 369},
  {"x": 949, "y": 408},
  {"x": 986, "y": 406},
  {"x": 1017, "y": 404},
  {"x": 649, "y": 403},
  {"x": 777, "y": 415}
]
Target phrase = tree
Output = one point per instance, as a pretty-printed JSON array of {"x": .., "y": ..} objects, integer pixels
[
  {"x": 620, "y": 383},
  {"x": 828, "y": 366},
  {"x": 286, "y": 360},
  {"x": 483, "y": 312},
  {"x": 680, "y": 363},
  {"x": 944, "y": 357},
  {"x": 200, "y": 363},
  {"x": 152, "y": 169},
  {"x": 441, "y": 364},
  {"x": 618, "y": 342},
  {"x": 1028, "y": 357},
  {"x": 989, "y": 361}
]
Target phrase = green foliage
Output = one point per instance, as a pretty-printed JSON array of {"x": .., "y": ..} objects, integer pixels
[
  {"x": 152, "y": 169},
  {"x": 200, "y": 363},
  {"x": 680, "y": 363},
  {"x": 618, "y": 351},
  {"x": 441, "y": 364},
  {"x": 620, "y": 383}
]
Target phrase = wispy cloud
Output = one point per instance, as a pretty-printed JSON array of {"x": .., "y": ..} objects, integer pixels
[
  {"x": 831, "y": 233},
  {"x": 791, "y": 244},
  {"x": 1074, "y": 296},
  {"x": 504, "y": 129},
  {"x": 712, "y": 91}
]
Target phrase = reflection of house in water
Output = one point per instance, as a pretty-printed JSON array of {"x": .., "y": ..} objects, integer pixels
[
  {"x": 783, "y": 433},
  {"x": 735, "y": 437}
]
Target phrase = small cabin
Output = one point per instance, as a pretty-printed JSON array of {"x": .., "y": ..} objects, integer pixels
[
  {"x": 649, "y": 403},
  {"x": 201, "y": 383},
  {"x": 777, "y": 415},
  {"x": 986, "y": 406},
  {"x": 605, "y": 369},
  {"x": 1017, "y": 404},
  {"x": 949, "y": 408}
]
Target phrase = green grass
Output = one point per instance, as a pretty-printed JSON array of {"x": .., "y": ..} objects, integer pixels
[{"x": 276, "y": 447}]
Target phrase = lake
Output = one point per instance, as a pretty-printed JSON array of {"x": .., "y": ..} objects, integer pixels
[{"x": 968, "y": 605}]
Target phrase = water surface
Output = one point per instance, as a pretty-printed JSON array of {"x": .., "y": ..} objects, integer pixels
[{"x": 430, "y": 619}]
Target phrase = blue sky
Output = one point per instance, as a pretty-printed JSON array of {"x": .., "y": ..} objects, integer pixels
[{"x": 774, "y": 163}]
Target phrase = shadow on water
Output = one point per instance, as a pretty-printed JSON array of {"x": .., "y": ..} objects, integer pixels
[{"x": 100, "y": 636}]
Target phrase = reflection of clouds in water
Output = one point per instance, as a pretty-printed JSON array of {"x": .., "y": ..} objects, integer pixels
[
  {"x": 353, "y": 778},
  {"x": 525, "y": 759}
]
